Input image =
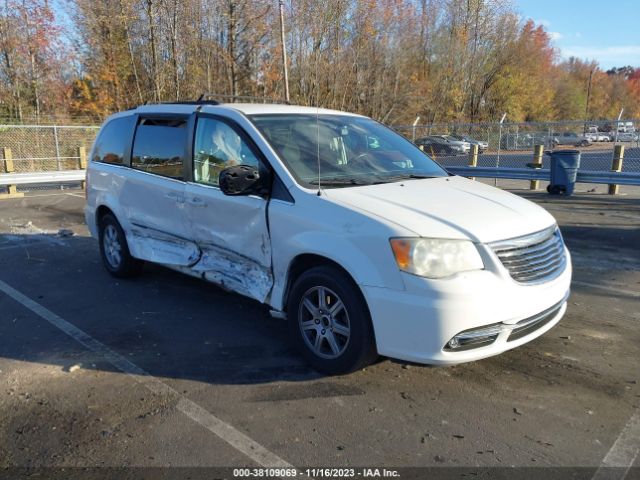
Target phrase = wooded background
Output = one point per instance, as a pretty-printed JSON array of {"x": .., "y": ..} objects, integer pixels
[{"x": 445, "y": 60}]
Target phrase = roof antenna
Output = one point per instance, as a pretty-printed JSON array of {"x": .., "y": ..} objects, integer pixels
[
  {"x": 318, "y": 122},
  {"x": 318, "y": 143}
]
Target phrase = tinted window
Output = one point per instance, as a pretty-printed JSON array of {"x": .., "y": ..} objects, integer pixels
[
  {"x": 159, "y": 146},
  {"x": 113, "y": 140},
  {"x": 218, "y": 146}
]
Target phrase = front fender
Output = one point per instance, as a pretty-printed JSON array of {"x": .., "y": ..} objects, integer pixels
[{"x": 369, "y": 261}]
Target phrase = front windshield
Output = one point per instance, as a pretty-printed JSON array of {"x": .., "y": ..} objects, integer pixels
[{"x": 345, "y": 150}]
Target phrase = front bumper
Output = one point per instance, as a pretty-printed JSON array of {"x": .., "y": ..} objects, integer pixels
[{"x": 416, "y": 324}]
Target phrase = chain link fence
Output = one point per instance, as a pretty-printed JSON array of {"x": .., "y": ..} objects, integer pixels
[
  {"x": 43, "y": 148},
  {"x": 36, "y": 148},
  {"x": 512, "y": 144},
  {"x": 50, "y": 119}
]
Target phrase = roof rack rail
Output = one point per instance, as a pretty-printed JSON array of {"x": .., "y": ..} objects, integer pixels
[
  {"x": 200, "y": 101},
  {"x": 245, "y": 98}
]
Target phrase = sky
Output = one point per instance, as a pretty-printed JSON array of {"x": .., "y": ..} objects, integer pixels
[{"x": 605, "y": 31}]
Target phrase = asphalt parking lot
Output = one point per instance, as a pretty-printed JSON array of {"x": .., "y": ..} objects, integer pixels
[{"x": 166, "y": 370}]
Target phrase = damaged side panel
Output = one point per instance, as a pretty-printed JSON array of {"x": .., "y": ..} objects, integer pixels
[
  {"x": 237, "y": 235},
  {"x": 160, "y": 247},
  {"x": 230, "y": 270},
  {"x": 235, "y": 272},
  {"x": 233, "y": 236}
]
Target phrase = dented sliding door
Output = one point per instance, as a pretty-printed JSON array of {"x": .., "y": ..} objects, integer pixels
[{"x": 153, "y": 198}]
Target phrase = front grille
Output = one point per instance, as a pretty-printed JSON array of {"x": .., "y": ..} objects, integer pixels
[
  {"x": 530, "y": 325},
  {"x": 534, "y": 258}
]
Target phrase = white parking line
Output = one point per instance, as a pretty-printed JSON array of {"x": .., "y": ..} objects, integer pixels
[
  {"x": 22, "y": 245},
  {"x": 608, "y": 288},
  {"x": 226, "y": 432},
  {"x": 623, "y": 452}
]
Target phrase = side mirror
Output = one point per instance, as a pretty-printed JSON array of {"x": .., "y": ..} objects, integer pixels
[{"x": 239, "y": 180}]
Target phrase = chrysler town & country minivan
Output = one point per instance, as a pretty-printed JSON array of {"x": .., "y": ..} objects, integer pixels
[{"x": 342, "y": 226}]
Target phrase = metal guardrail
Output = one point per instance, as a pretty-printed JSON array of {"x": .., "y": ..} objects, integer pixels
[
  {"x": 502, "y": 172},
  {"x": 41, "y": 177},
  {"x": 618, "y": 178}
]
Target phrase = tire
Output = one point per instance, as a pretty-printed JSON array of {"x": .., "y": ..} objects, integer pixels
[
  {"x": 346, "y": 339},
  {"x": 115, "y": 251}
]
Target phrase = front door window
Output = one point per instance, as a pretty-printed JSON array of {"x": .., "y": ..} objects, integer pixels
[{"x": 218, "y": 146}]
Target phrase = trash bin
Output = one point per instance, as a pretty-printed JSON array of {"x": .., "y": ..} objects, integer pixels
[{"x": 564, "y": 171}]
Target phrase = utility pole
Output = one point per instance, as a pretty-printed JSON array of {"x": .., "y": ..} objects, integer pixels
[
  {"x": 284, "y": 52},
  {"x": 618, "y": 125},
  {"x": 413, "y": 131},
  {"x": 586, "y": 108},
  {"x": 504, "y": 115}
]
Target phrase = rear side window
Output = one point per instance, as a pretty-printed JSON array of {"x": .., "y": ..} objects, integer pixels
[
  {"x": 159, "y": 147},
  {"x": 113, "y": 141}
]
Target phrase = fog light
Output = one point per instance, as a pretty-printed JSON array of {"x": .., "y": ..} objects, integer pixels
[{"x": 475, "y": 338}]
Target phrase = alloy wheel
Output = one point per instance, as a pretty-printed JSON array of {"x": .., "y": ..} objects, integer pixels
[{"x": 324, "y": 322}]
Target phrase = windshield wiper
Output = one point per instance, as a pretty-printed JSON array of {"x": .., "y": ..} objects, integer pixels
[
  {"x": 339, "y": 182},
  {"x": 394, "y": 178}
]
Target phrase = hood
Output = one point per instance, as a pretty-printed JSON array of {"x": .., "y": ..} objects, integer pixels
[{"x": 449, "y": 207}]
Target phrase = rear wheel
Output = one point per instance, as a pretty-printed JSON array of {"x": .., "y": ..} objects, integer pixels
[
  {"x": 330, "y": 322},
  {"x": 115, "y": 251}
]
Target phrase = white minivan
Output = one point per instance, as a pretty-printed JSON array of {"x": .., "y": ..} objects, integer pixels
[{"x": 342, "y": 226}]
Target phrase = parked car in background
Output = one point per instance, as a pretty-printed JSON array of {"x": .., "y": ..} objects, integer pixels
[
  {"x": 571, "y": 138},
  {"x": 466, "y": 146},
  {"x": 525, "y": 141},
  {"x": 438, "y": 146},
  {"x": 626, "y": 127},
  {"x": 597, "y": 137},
  {"x": 626, "y": 137},
  {"x": 482, "y": 145},
  {"x": 358, "y": 240}
]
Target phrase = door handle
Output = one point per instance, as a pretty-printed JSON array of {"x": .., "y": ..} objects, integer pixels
[
  {"x": 197, "y": 202},
  {"x": 175, "y": 196}
]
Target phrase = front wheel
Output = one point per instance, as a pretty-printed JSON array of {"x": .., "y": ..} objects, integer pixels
[{"x": 330, "y": 322}]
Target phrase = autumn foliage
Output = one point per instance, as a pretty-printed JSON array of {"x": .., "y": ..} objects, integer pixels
[{"x": 445, "y": 60}]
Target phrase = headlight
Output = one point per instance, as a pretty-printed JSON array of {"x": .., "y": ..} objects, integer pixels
[{"x": 435, "y": 258}]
